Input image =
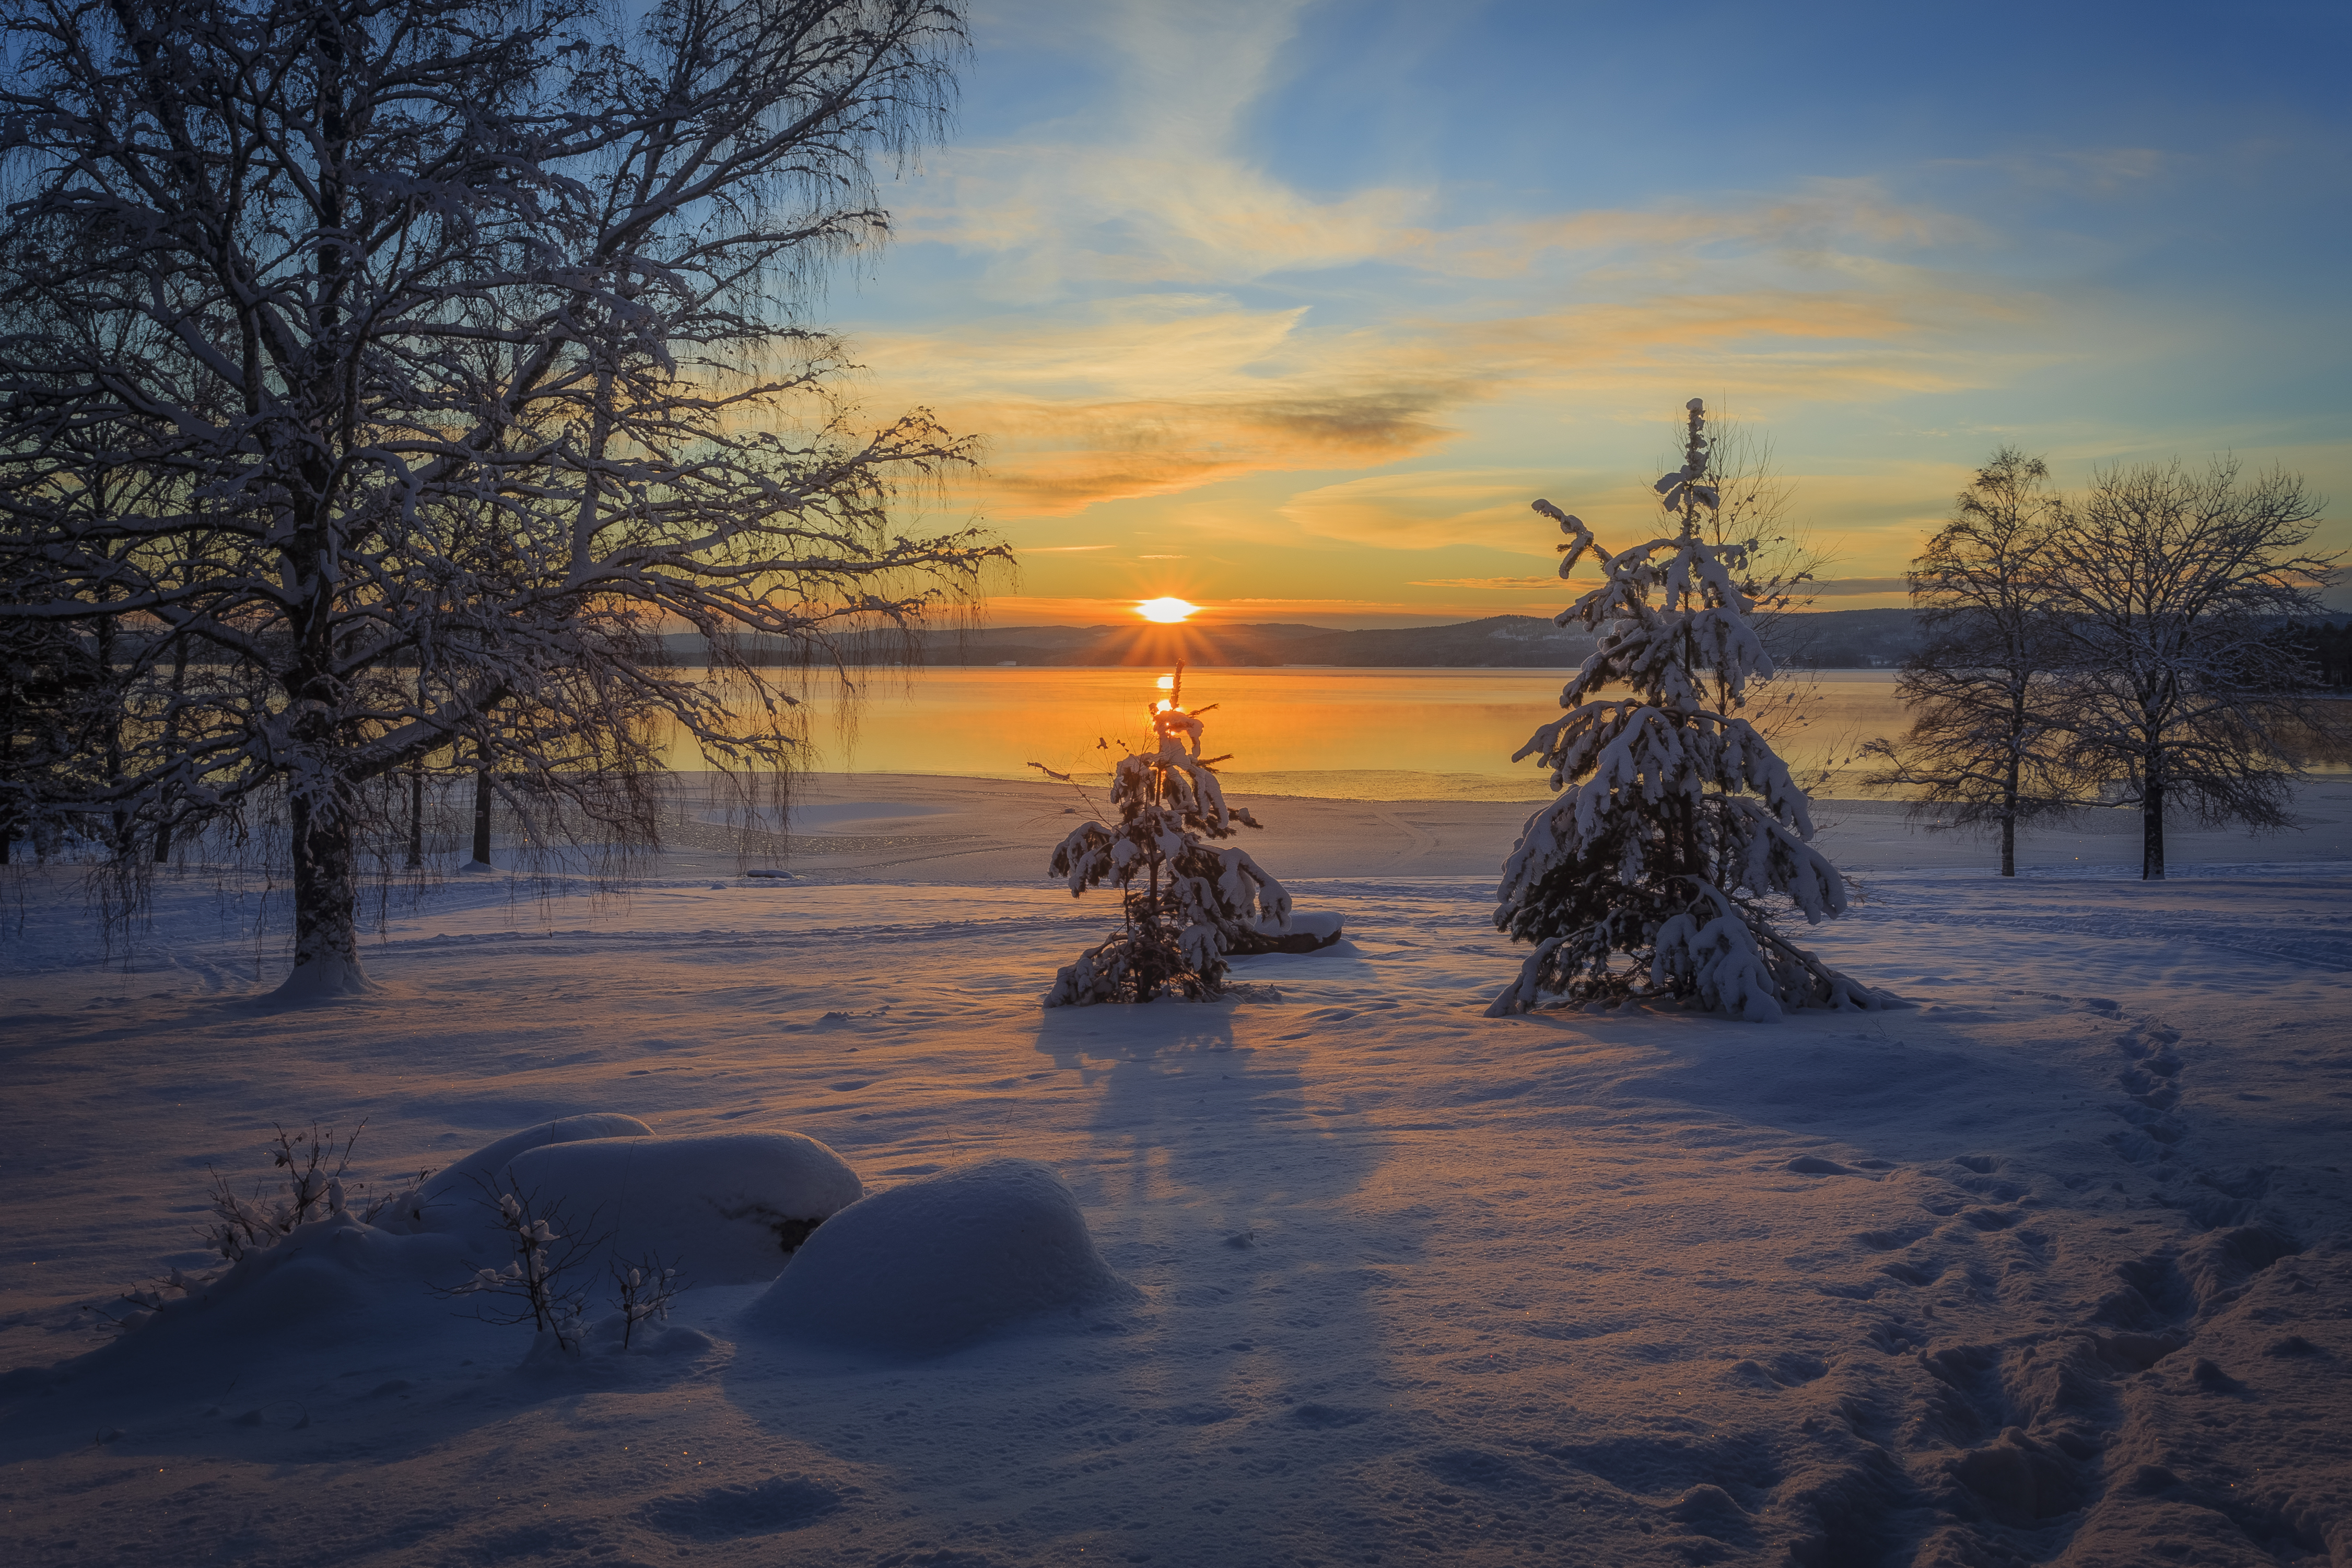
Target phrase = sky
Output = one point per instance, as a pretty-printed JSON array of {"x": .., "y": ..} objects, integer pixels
[{"x": 1291, "y": 309}]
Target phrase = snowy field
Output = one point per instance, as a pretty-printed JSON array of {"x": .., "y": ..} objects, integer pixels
[{"x": 2053, "y": 1266}]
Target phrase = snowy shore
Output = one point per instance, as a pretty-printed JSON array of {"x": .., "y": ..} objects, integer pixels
[{"x": 2056, "y": 1265}]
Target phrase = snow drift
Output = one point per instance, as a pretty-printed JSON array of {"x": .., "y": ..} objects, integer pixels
[
  {"x": 729, "y": 1208},
  {"x": 458, "y": 1186},
  {"x": 941, "y": 1263},
  {"x": 726, "y": 1209}
]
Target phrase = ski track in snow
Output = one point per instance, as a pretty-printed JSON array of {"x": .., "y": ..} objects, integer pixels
[{"x": 2053, "y": 1268}]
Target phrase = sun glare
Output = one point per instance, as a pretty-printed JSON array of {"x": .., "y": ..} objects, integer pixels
[
  {"x": 1167, "y": 683},
  {"x": 1168, "y": 612}
]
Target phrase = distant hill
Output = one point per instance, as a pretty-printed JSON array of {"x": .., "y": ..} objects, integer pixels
[{"x": 1830, "y": 639}]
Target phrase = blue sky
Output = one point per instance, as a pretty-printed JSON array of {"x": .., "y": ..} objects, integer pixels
[{"x": 1290, "y": 310}]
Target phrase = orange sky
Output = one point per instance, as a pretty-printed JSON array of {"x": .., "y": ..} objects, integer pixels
[{"x": 1291, "y": 309}]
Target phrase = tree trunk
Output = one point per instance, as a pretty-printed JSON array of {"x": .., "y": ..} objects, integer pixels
[
  {"x": 326, "y": 897},
  {"x": 482, "y": 817},
  {"x": 118, "y": 820},
  {"x": 171, "y": 739},
  {"x": 2009, "y": 819},
  {"x": 416, "y": 818},
  {"x": 2151, "y": 827}
]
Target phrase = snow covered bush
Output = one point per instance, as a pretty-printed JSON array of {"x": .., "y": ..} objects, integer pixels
[
  {"x": 1649, "y": 876},
  {"x": 307, "y": 1188},
  {"x": 548, "y": 1250},
  {"x": 647, "y": 1292},
  {"x": 1185, "y": 902}
]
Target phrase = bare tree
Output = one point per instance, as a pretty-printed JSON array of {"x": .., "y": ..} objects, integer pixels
[
  {"x": 2171, "y": 587},
  {"x": 1984, "y": 747},
  {"x": 413, "y": 366},
  {"x": 51, "y": 690},
  {"x": 1781, "y": 563}
]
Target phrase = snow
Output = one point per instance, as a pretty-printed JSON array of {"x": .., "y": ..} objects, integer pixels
[
  {"x": 942, "y": 1261},
  {"x": 2051, "y": 1266},
  {"x": 710, "y": 1205},
  {"x": 455, "y": 1188}
]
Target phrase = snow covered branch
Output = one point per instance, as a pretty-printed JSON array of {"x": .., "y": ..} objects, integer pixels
[
  {"x": 1677, "y": 820},
  {"x": 398, "y": 376}
]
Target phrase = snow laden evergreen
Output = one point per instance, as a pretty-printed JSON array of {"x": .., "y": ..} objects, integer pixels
[
  {"x": 1648, "y": 877},
  {"x": 1186, "y": 902}
]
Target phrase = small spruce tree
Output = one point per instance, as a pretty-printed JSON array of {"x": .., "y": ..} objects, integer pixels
[
  {"x": 1648, "y": 876},
  {"x": 1185, "y": 902}
]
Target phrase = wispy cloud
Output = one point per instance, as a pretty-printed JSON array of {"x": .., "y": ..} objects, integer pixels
[
  {"x": 1851, "y": 587},
  {"x": 1424, "y": 509},
  {"x": 1386, "y": 355},
  {"x": 1243, "y": 391},
  {"x": 1497, "y": 584}
]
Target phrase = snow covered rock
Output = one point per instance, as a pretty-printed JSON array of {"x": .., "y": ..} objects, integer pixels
[
  {"x": 726, "y": 1209},
  {"x": 937, "y": 1264},
  {"x": 1301, "y": 933}
]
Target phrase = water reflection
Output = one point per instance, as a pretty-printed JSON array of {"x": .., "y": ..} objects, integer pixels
[{"x": 1346, "y": 733}]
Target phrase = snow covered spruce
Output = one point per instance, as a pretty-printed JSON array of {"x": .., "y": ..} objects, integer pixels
[
  {"x": 1647, "y": 876},
  {"x": 1186, "y": 904}
]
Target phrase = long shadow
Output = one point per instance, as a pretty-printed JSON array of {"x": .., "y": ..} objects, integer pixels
[
  {"x": 1255, "y": 1349},
  {"x": 1237, "y": 1209}
]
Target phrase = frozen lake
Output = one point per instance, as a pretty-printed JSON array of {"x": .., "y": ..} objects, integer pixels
[{"x": 1350, "y": 734}]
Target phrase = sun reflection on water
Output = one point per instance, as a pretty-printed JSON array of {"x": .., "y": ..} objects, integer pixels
[{"x": 1351, "y": 733}]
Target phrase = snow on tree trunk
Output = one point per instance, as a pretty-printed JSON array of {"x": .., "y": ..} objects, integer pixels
[
  {"x": 1648, "y": 877},
  {"x": 1194, "y": 900}
]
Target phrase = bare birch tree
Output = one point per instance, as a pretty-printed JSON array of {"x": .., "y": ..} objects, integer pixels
[
  {"x": 2171, "y": 587},
  {"x": 412, "y": 366},
  {"x": 1984, "y": 747},
  {"x": 1781, "y": 563}
]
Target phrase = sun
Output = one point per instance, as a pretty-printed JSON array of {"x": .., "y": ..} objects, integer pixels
[{"x": 1168, "y": 612}]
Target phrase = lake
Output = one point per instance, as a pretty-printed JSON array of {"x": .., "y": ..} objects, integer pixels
[{"x": 1353, "y": 734}]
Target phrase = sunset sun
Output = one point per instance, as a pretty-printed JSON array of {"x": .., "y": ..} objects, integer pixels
[{"x": 1168, "y": 612}]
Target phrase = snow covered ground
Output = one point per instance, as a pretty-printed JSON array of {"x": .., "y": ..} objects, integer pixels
[{"x": 2054, "y": 1267}]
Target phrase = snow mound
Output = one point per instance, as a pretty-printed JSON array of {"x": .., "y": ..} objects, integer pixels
[
  {"x": 727, "y": 1209},
  {"x": 311, "y": 1289},
  {"x": 452, "y": 1193},
  {"x": 724, "y": 1209},
  {"x": 328, "y": 1284},
  {"x": 935, "y": 1264}
]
